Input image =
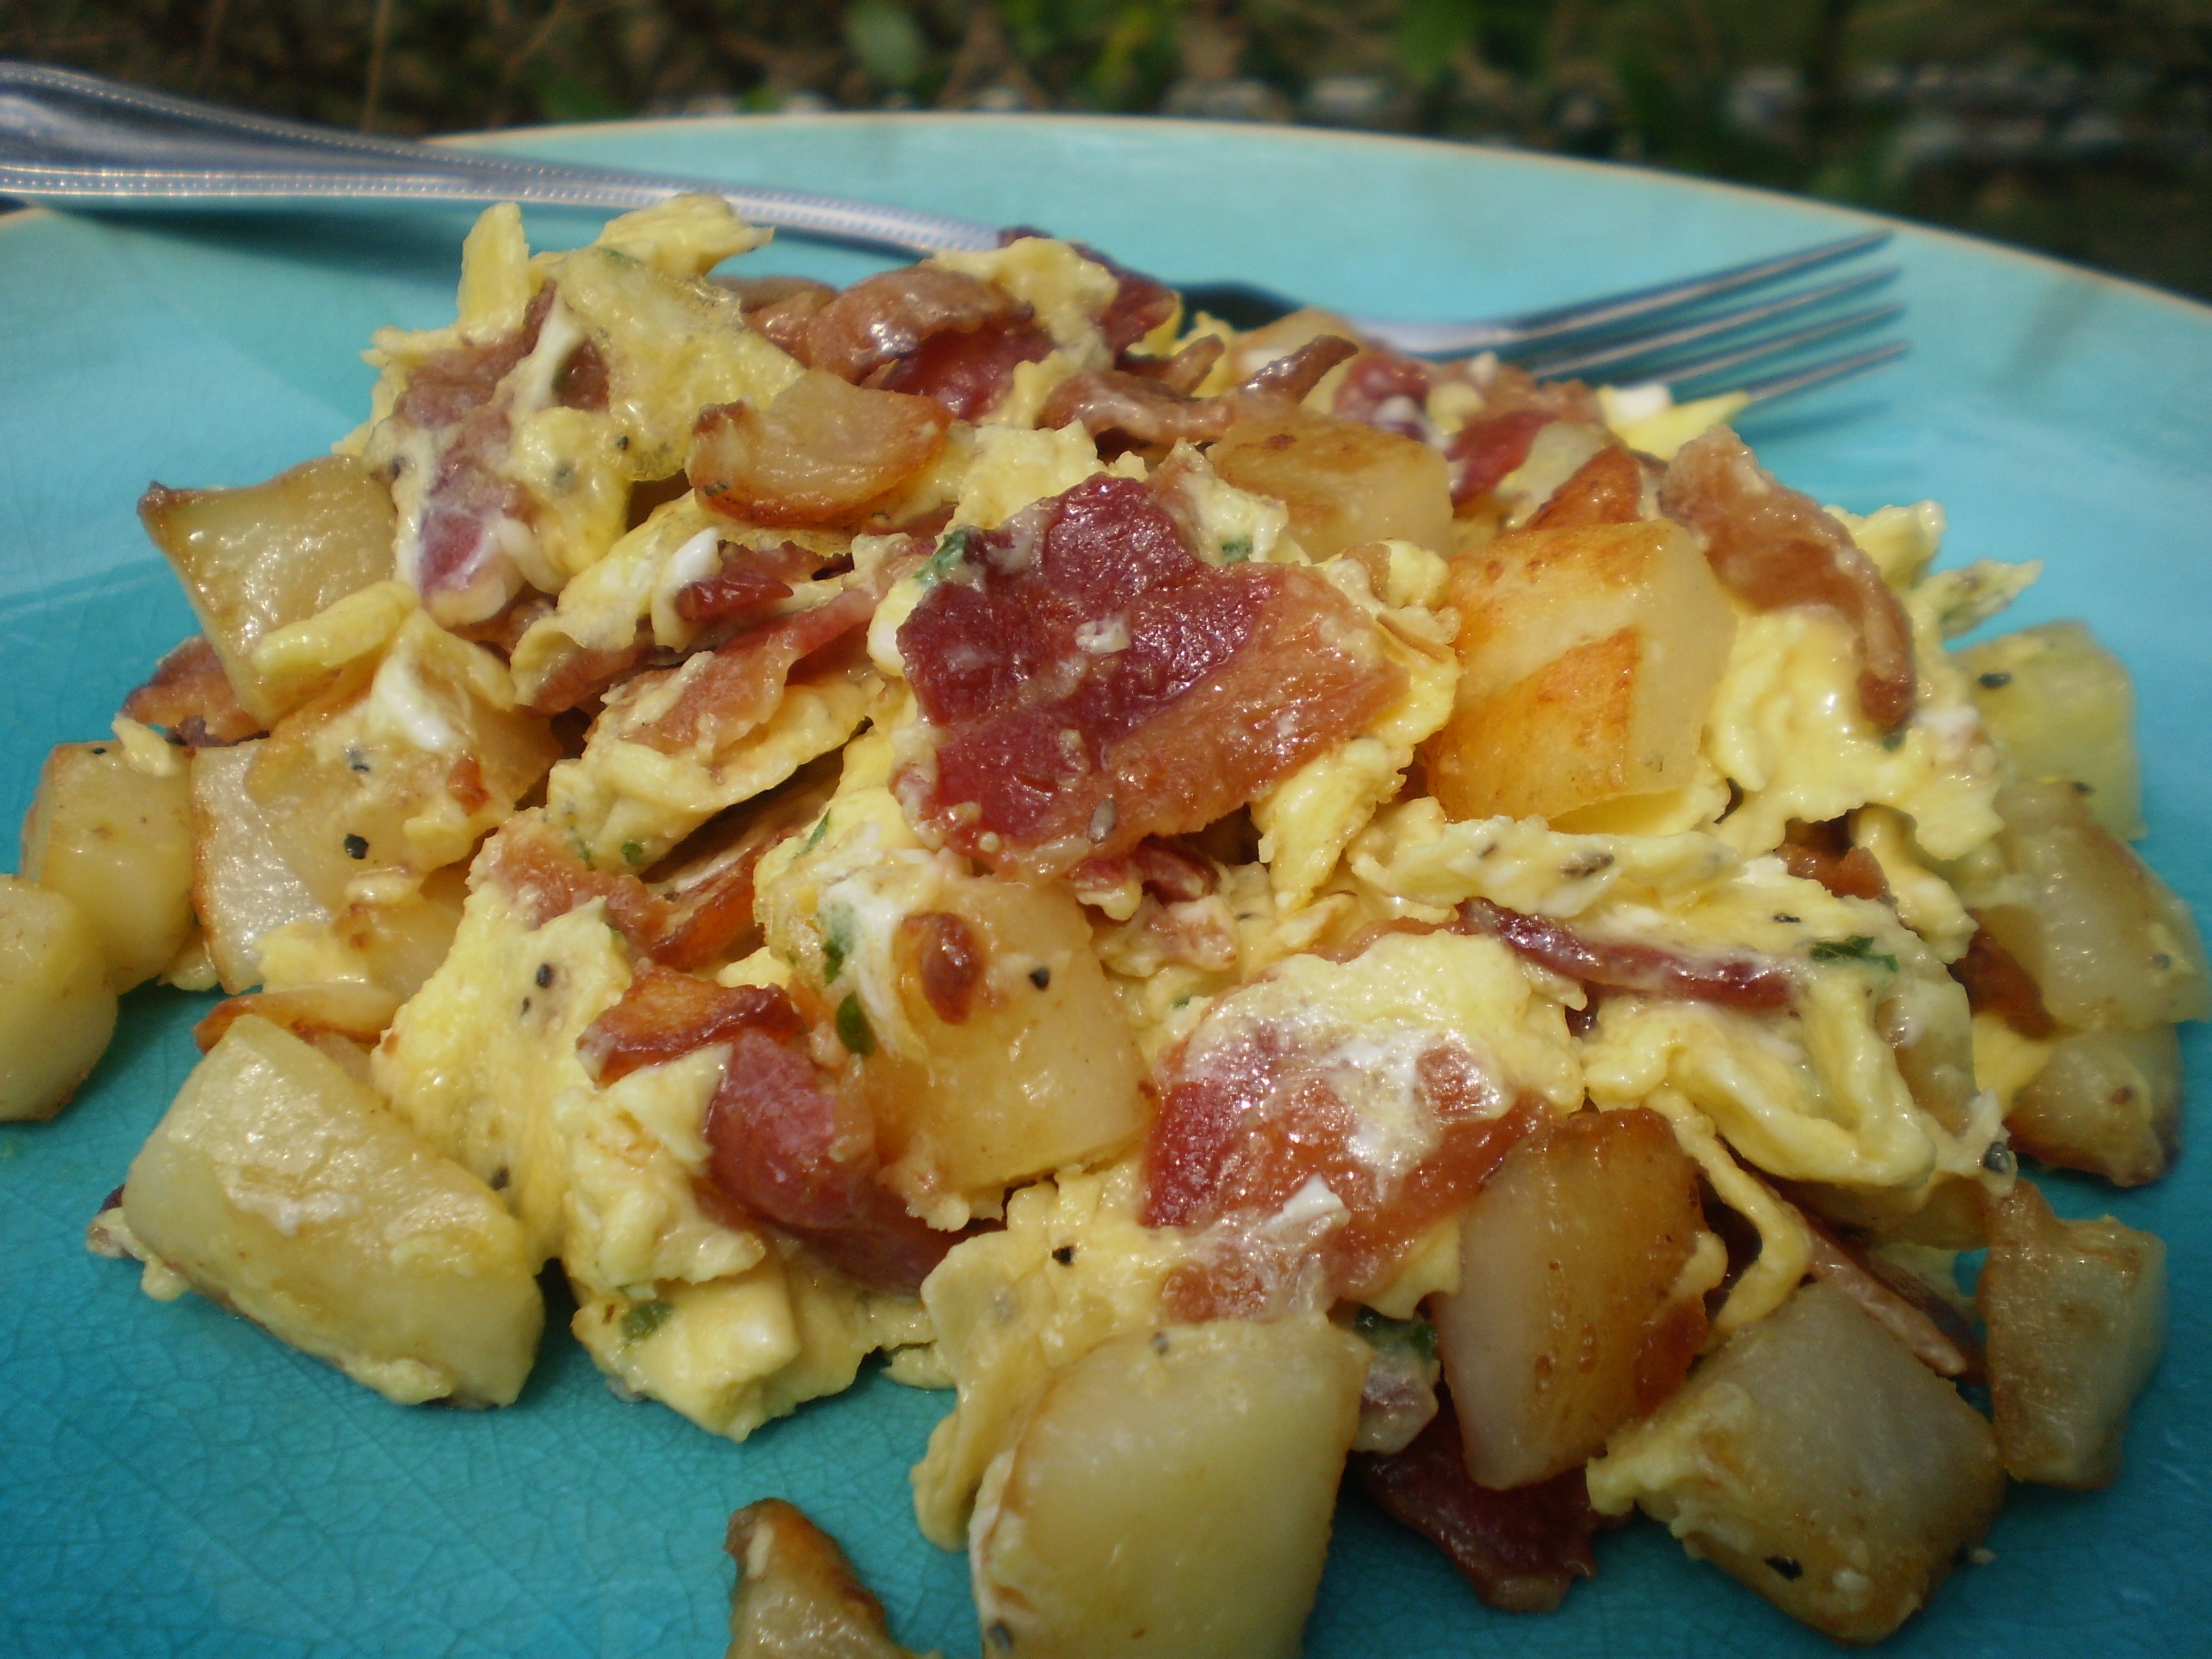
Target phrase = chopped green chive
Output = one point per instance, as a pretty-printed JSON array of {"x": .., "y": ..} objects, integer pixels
[
  {"x": 633, "y": 852},
  {"x": 1237, "y": 549},
  {"x": 1858, "y": 948},
  {"x": 852, "y": 1028},
  {"x": 643, "y": 1319}
]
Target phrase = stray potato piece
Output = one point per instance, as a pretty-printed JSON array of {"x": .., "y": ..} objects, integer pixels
[
  {"x": 2076, "y": 1315},
  {"x": 818, "y": 454},
  {"x": 797, "y": 1597},
  {"x": 1170, "y": 1495},
  {"x": 56, "y": 1007},
  {"x": 1343, "y": 483},
  {"x": 1818, "y": 1462},
  {"x": 254, "y": 560},
  {"x": 2105, "y": 1102},
  {"x": 1588, "y": 658},
  {"x": 2062, "y": 708},
  {"x": 1584, "y": 1266},
  {"x": 357, "y": 1013},
  {"x": 2106, "y": 942},
  {"x": 281, "y": 1188},
  {"x": 119, "y": 843},
  {"x": 1025, "y": 1061}
]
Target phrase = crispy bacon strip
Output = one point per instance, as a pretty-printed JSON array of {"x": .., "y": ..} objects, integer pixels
[
  {"x": 1824, "y": 853},
  {"x": 1997, "y": 984},
  {"x": 1520, "y": 1549},
  {"x": 535, "y": 864},
  {"x": 1292, "y": 378},
  {"x": 666, "y": 1015},
  {"x": 1182, "y": 372},
  {"x": 1750, "y": 984},
  {"x": 781, "y": 308},
  {"x": 1099, "y": 683},
  {"x": 966, "y": 373},
  {"x": 1141, "y": 409},
  {"x": 1940, "y": 1337},
  {"x": 1774, "y": 546},
  {"x": 191, "y": 697},
  {"x": 802, "y": 1157},
  {"x": 1484, "y": 451},
  {"x": 885, "y": 317},
  {"x": 747, "y": 579},
  {"x": 1385, "y": 390}
]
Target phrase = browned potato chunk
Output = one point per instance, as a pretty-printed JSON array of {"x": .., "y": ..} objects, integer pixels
[
  {"x": 1342, "y": 482},
  {"x": 1171, "y": 1494},
  {"x": 1817, "y": 1462},
  {"x": 2062, "y": 707},
  {"x": 2106, "y": 1102},
  {"x": 242, "y": 887},
  {"x": 282, "y": 1188},
  {"x": 256, "y": 559},
  {"x": 1588, "y": 658},
  {"x": 2076, "y": 1315},
  {"x": 119, "y": 843},
  {"x": 1575, "y": 1311},
  {"x": 797, "y": 1597},
  {"x": 818, "y": 454},
  {"x": 57, "y": 1008},
  {"x": 1026, "y": 1062},
  {"x": 2107, "y": 943}
]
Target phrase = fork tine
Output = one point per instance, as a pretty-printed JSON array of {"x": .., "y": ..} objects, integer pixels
[
  {"x": 1772, "y": 345},
  {"x": 1641, "y": 343},
  {"x": 1831, "y": 373},
  {"x": 1558, "y": 323}
]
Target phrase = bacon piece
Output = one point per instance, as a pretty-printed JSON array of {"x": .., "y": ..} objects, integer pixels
[
  {"x": 729, "y": 690},
  {"x": 1484, "y": 451},
  {"x": 1997, "y": 984},
  {"x": 1385, "y": 390},
  {"x": 1520, "y": 1549},
  {"x": 584, "y": 675},
  {"x": 1144, "y": 411},
  {"x": 1607, "y": 489},
  {"x": 536, "y": 865},
  {"x": 708, "y": 883},
  {"x": 1140, "y": 303},
  {"x": 1099, "y": 683},
  {"x": 1939, "y": 1336},
  {"x": 747, "y": 579},
  {"x": 582, "y": 381},
  {"x": 1292, "y": 378},
  {"x": 191, "y": 697},
  {"x": 1774, "y": 546},
  {"x": 1251, "y": 1111},
  {"x": 666, "y": 1015},
  {"x": 780, "y": 307},
  {"x": 1750, "y": 984},
  {"x": 966, "y": 374},
  {"x": 802, "y": 1157},
  {"x": 818, "y": 454},
  {"x": 885, "y": 317},
  {"x": 1184, "y": 372},
  {"x": 1824, "y": 853}
]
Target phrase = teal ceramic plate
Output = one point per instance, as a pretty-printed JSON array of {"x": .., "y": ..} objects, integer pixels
[{"x": 176, "y": 1483}]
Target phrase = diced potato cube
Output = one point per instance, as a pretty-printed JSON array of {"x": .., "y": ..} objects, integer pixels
[
  {"x": 2076, "y": 1316},
  {"x": 797, "y": 1597},
  {"x": 1170, "y": 1495},
  {"x": 1588, "y": 658},
  {"x": 242, "y": 886},
  {"x": 2062, "y": 708},
  {"x": 2106, "y": 1102},
  {"x": 1814, "y": 1460},
  {"x": 1584, "y": 1266},
  {"x": 119, "y": 843},
  {"x": 279, "y": 1187},
  {"x": 1039, "y": 1073},
  {"x": 57, "y": 1008},
  {"x": 1343, "y": 483},
  {"x": 2107, "y": 943},
  {"x": 255, "y": 559}
]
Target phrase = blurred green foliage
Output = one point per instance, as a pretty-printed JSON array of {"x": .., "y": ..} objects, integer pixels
[{"x": 2081, "y": 126}]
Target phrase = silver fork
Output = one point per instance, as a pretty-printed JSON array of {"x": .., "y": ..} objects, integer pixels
[{"x": 73, "y": 140}]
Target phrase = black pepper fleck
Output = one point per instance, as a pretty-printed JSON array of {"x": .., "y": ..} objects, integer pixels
[
  {"x": 1159, "y": 1341},
  {"x": 1065, "y": 1256},
  {"x": 357, "y": 847},
  {"x": 1041, "y": 976},
  {"x": 100, "y": 749},
  {"x": 544, "y": 975},
  {"x": 525, "y": 1005},
  {"x": 1785, "y": 1566},
  {"x": 1995, "y": 680},
  {"x": 1786, "y": 920}
]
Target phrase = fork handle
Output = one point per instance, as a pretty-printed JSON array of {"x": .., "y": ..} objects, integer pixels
[{"x": 77, "y": 140}]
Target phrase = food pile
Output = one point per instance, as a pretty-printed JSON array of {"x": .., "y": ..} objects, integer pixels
[{"x": 1242, "y": 902}]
